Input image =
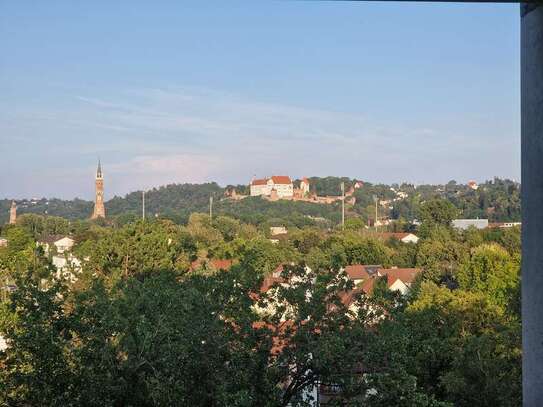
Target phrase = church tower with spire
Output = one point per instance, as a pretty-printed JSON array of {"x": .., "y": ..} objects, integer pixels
[
  {"x": 99, "y": 210},
  {"x": 13, "y": 213}
]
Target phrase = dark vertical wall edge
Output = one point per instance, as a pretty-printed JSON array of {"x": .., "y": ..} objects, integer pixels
[{"x": 532, "y": 202}]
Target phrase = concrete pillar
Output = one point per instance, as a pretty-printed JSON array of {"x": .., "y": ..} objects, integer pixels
[{"x": 532, "y": 202}]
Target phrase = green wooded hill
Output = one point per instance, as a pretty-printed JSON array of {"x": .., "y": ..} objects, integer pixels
[{"x": 497, "y": 200}]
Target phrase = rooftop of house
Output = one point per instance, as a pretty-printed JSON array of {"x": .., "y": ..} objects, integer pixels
[
  {"x": 406, "y": 275},
  {"x": 262, "y": 181},
  {"x": 362, "y": 271},
  {"x": 52, "y": 239}
]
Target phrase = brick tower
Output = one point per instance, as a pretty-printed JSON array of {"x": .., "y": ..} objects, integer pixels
[
  {"x": 13, "y": 213},
  {"x": 99, "y": 210}
]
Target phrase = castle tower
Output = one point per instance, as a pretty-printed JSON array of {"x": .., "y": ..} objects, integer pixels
[
  {"x": 13, "y": 213},
  {"x": 99, "y": 210}
]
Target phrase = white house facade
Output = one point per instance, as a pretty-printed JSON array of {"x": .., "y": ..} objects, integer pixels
[{"x": 282, "y": 184}]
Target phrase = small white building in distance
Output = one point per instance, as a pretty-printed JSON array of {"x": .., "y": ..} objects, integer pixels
[
  {"x": 62, "y": 258},
  {"x": 404, "y": 237},
  {"x": 464, "y": 224},
  {"x": 282, "y": 184},
  {"x": 61, "y": 243},
  {"x": 278, "y": 230}
]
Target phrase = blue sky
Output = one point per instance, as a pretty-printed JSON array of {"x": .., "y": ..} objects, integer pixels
[{"x": 169, "y": 92}]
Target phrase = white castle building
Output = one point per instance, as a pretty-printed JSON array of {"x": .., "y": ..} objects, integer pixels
[{"x": 281, "y": 184}]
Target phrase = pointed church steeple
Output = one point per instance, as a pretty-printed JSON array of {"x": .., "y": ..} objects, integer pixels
[
  {"x": 99, "y": 170},
  {"x": 99, "y": 209}
]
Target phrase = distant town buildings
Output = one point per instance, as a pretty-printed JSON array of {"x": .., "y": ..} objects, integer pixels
[
  {"x": 99, "y": 209},
  {"x": 13, "y": 213}
]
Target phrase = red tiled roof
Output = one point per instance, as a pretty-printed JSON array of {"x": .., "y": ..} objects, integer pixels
[
  {"x": 406, "y": 275},
  {"x": 348, "y": 297},
  {"x": 357, "y": 272},
  {"x": 281, "y": 179},
  {"x": 367, "y": 286},
  {"x": 262, "y": 181}
]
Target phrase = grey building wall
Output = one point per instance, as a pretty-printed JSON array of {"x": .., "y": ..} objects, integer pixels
[{"x": 532, "y": 202}]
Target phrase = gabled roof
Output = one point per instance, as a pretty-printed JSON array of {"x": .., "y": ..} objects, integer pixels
[
  {"x": 362, "y": 271},
  {"x": 406, "y": 275},
  {"x": 348, "y": 297},
  {"x": 367, "y": 286},
  {"x": 357, "y": 272},
  {"x": 281, "y": 179},
  {"x": 51, "y": 239},
  {"x": 262, "y": 181}
]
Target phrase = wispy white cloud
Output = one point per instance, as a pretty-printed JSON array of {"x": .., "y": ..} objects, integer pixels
[{"x": 149, "y": 137}]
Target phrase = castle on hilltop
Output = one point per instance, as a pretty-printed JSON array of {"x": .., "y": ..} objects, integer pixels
[
  {"x": 279, "y": 187},
  {"x": 99, "y": 209}
]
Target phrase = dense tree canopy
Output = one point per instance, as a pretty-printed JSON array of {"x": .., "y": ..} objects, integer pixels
[{"x": 148, "y": 323}]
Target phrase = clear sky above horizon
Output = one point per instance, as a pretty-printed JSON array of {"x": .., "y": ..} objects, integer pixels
[{"x": 167, "y": 92}]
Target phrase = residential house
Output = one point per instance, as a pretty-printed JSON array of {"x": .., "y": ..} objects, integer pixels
[
  {"x": 400, "y": 279},
  {"x": 359, "y": 273},
  {"x": 59, "y": 247},
  {"x": 59, "y": 242}
]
